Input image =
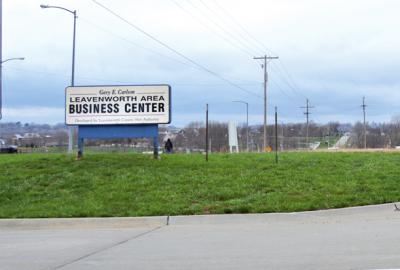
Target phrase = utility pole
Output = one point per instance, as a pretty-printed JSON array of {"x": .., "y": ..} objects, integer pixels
[
  {"x": 264, "y": 66},
  {"x": 365, "y": 125},
  {"x": 307, "y": 113}
]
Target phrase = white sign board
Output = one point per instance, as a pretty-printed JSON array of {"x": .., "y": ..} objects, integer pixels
[
  {"x": 233, "y": 137},
  {"x": 118, "y": 105}
]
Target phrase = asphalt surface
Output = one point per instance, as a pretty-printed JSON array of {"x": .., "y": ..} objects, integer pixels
[{"x": 352, "y": 238}]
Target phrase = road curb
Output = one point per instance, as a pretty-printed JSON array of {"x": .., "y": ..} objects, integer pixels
[
  {"x": 73, "y": 223},
  {"x": 362, "y": 212}
]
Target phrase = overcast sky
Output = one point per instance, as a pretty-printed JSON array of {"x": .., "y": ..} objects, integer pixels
[{"x": 334, "y": 52}]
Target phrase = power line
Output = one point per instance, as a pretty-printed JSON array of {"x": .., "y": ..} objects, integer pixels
[
  {"x": 201, "y": 22},
  {"x": 262, "y": 47},
  {"x": 249, "y": 50},
  {"x": 133, "y": 43},
  {"x": 118, "y": 81},
  {"x": 172, "y": 49},
  {"x": 184, "y": 9},
  {"x": 282, "y": 77},
  {"x": 295, "y": 88},
  {"x": 281, "y": 89},
  {"x": 239, "y": 36}
]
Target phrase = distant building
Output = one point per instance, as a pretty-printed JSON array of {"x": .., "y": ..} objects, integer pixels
[{"x": 27, "y": 140}]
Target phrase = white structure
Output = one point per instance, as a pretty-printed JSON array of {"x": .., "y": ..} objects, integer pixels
[
  {"x": 233, "y": 138},
  {"x": 342, "y": 142},
  {"x": 314, "y": 145}
]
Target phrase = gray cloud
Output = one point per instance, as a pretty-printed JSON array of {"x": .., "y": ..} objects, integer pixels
[{"x": 336, "y": 51}]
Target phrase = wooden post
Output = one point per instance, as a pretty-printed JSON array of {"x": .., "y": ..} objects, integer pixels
[
  {"x": 155, "y": 147},
  {"x": 80, "y": 148},
  {"x": 276, "y": 135},
  {"x": 207, "y": 132}
]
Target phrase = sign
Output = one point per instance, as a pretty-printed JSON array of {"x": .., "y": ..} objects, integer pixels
[{"x": 118, "y": 105}]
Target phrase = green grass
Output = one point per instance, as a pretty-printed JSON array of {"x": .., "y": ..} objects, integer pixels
[{"x": 118, "y": 184}]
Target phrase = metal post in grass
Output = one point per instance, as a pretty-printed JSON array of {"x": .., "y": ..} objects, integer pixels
[
  {"x": 207, "y": 132},
  {"x": 276, "y": 134}
]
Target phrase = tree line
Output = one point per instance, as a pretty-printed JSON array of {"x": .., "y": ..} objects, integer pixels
[{"x": 192, "y": 136}]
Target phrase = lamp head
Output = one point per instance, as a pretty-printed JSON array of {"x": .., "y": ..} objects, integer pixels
[{"x": 44, "y": 6}]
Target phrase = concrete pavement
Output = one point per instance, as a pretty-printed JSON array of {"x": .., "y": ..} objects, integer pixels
[{"x": 353, "y": 238}]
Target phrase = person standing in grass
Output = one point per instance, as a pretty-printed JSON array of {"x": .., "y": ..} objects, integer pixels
[{"x": 168, "y": 147}]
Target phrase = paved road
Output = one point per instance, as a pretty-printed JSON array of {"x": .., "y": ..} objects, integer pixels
[{"x": 354, "y": 238}]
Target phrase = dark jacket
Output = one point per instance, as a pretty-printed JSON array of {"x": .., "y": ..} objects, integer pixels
[{"x": 168, "y": 145}]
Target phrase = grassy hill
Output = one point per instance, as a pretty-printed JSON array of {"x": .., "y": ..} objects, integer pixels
[{"x": 117, "y": 184}]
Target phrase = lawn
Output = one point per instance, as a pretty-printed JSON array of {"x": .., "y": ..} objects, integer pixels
[{"x": 126, "y": 184}]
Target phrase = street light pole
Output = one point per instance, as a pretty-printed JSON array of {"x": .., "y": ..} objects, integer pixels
[
  {"x": 73, "y": 12},
  {"x": 247, "y": 122},
  {"x": 73, "y": 51},
  {"x": 11, "y": 59}
]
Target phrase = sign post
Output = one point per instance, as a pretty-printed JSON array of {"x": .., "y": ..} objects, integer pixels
[{"x": 110, "y": 112}]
